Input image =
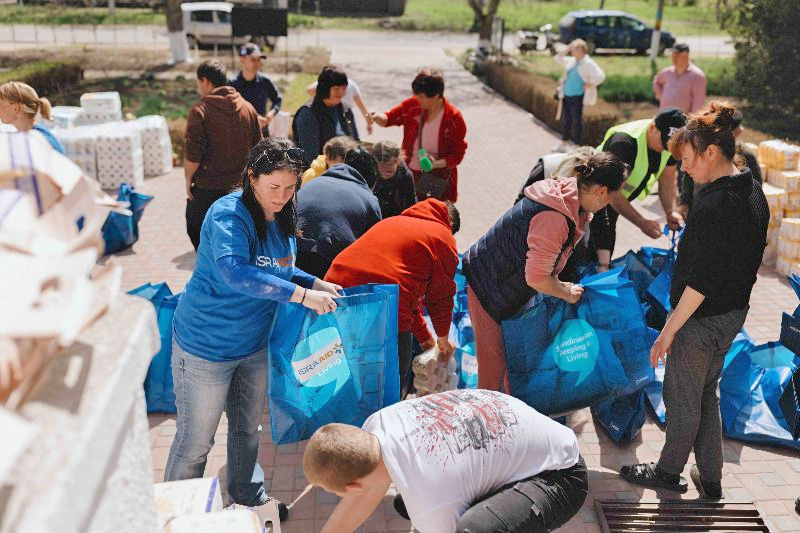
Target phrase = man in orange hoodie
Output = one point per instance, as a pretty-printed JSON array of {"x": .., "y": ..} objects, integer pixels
[
  {"x": 417, "y": 251},
  {"x": 220, "y": 131}
]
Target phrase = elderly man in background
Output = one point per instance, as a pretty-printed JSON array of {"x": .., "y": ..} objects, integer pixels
[{"x": 683, "y": 85}]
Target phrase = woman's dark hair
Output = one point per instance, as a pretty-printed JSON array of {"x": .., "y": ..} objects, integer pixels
[
  {"x": 213, "y": 71},
  {"x": 603, "y": 168},
  {"x": 269, "y": 155},
  {"x": 455, "y": 217},
  {"x": 361, "y": 160},
  {"x": 429, "y": 82},
  {"x": 713, "y": 124},
  {"x": 330, "y": 76}
]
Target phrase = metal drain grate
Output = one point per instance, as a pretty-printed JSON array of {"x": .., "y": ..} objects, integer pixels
[{"x": 678, "y": 515}]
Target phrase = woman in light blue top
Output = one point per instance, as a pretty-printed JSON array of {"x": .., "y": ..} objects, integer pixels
[
  {"x": 579, "y": 84},
  {"x": 19, "y": 105},
  {"x": 245, "y": 268}
]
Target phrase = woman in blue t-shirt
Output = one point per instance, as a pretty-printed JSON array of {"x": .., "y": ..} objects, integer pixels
[
  {"x": 19, "y": 106},
  {"x": 245, "y": 268}
]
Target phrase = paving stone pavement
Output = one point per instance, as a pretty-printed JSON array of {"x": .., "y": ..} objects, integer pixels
[{"x": 504, "y": 142}]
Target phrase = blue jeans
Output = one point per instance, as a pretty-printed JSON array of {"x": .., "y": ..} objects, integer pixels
[
  {"x": 202, "y": 390},
  {"x": 573, "y": 119}
]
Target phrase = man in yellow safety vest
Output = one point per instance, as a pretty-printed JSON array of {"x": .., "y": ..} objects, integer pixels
[{"x": 641, "y": 144}]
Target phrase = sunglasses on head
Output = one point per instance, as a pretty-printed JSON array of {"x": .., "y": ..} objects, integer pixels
[{"x": 291, "y": 154}]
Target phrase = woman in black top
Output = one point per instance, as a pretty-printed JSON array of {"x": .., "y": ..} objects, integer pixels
[{"x": 718, "y": 259}]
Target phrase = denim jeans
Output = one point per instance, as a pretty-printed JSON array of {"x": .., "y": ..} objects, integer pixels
[
  {"x": 573, "y": 119},
  {"x": 202, "y": 390}
]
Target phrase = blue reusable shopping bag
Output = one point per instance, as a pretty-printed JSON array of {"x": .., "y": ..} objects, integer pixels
[
  {"x": 121, "y": 231},
  {"x": 655, "y": 389},
  {"x": 622, "y": 417},
  {"x": 158, "y": 388},
  {"x": 337, "y": 367},
  {"x": 562, "y": 357},
  {"x": 636, "y": 271},
  {"x": 750, "y": 390},
  {"x": 466, "y": 360}
]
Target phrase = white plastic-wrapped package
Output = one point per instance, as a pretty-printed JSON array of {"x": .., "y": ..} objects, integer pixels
[
  {"x": 779, "y": 154},
  {"x": 119, "y": 155},
  {"x": 774, "y": 195},
  {"x": 790, "y": 229},
  {"x": 788, "y": 248},
  {"x": 102, "y": 102},
  {"x": 280, "y": 124},
  {"x": 156, "y": 144},
  {"x": 101, "y": 118},
  {"x": 65, "y": 116},
  {"x": 431, "y": 375},
  {"x": 79, "y": 145}
]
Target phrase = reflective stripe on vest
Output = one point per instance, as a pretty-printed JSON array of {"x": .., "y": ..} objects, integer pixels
[{"x": 638, "y": 130}]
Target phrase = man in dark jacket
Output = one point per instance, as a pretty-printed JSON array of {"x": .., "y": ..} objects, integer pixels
[
  {"x": 325, "y": 116},
  {"x": 220, "y": 130},
  {"x": 255, "y": 87},
  {"x": 334, "y": 210}
]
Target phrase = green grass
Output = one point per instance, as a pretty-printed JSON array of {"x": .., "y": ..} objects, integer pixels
[
  {"x": 14, "y": 14},
  {"x": 422, "y": 15},
  {"x": 295, "y": 94},
  {"x": 630, "y": 79},
  {"x": 456, "y": 15}
]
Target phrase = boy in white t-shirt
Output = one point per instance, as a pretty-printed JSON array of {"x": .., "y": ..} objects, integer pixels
[{"x": 464, "y": 460}]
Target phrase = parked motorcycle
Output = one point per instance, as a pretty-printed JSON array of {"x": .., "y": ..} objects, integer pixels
[{"x": 540, "y": 40}]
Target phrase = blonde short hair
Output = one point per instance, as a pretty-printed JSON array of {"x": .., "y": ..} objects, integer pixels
[
  {"x": 580, "y": 43},
  {"x": 338, "y": 454},
  {"x": 25, "y": 96}
]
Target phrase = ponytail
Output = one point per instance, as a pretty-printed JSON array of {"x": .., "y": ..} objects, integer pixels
[
  {"x": 45, "y": 109},
  {"x": 603, "y": 168},
  {"x": 714, "y": 124}
]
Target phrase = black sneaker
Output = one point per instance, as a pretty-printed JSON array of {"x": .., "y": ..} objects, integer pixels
[
  {"x": 797, "y": 506},
  {"x": 651, "y": 475},
  {"x": 400, "y": 507},
  {"x": 708, "y": 490}
]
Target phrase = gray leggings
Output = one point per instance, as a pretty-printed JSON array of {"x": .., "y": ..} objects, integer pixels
[{"x": 691, "y": 393}]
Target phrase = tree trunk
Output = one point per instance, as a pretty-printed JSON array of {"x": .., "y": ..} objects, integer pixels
[
  {"x": 483, "y": 18},
  {"x": 177, "y": 37}
]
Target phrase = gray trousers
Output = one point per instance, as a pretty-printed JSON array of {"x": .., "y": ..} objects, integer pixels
[{"x": 691, "y": 393}]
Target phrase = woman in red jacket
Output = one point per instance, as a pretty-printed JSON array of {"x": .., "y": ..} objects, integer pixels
[{"x": 442, "y": 136}]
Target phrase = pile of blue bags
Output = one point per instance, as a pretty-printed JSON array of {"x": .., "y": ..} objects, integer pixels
[{"x": 122, "y": 231}]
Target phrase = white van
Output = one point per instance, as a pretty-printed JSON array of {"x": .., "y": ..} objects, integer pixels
[{"x": 209, "y": 23}]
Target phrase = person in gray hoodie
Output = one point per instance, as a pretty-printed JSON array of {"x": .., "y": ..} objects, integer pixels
[
  {"x": 220, "y": 131},
  {"x": 334, "y": 210},
  {"x": 523, "y": 253}
]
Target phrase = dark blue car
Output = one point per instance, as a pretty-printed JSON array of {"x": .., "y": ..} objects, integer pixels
[{"x": 611, "y": 30}]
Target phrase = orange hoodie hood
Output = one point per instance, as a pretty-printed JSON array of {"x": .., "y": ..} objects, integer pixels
[{"x": 430, "y": 209}]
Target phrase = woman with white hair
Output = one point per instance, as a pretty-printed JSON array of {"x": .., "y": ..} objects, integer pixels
[{"x": 578, "y": 87}]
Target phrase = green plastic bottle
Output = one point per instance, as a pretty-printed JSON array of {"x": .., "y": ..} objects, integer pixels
[{"x": 425, "y": 161}]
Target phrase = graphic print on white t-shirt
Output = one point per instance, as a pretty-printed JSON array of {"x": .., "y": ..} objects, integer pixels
[{"x": 452, "y": 423}]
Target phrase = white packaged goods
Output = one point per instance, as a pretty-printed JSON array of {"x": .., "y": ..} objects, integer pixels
[
  {"x": 788, "y": 248},
  {"x": 119, "y": 155},
  {"x": 791, "y": 214},
  {"x": 65, "y": 116},
  {"x": 238, "y": 521},
  {"x": 773, "y": 195},
  {"x": 105, "y": 102},
  {"x": 783, "y": 266},
  {"x": 187, "y": 497},
  {"x": 79, "y": 145},
  {"x": 156, "y": 145},
  {"x": 279, "y": 125},
  {"x": 778, "y": 154},
  {"x": 790, "y": 229},
  {"x": 101, "y": 118},
  {"x": 431, "y": 376}
]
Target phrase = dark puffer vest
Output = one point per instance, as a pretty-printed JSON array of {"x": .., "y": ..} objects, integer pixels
[
  {"x": 327, "y": 128},
  {"x": 495, "y": 265}
]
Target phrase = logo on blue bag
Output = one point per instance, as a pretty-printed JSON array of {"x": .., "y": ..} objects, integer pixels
[
  {"x": 576, "y": 347},
  {"x": 320, "y": 359}
]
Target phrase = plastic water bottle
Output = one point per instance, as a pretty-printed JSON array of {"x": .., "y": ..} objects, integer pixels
[{"x": 424, "y": 161}]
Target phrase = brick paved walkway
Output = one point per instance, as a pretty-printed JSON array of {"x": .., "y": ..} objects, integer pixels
[{"x": 504, "y": 143}]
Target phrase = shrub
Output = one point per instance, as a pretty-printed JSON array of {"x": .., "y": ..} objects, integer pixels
[
  {"x": 46, "y": 77},
  {"x": 534, "y": 93}
]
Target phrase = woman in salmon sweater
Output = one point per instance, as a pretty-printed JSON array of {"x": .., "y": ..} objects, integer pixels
[
  {"x": 523, "y": 253},
  {"x": 443, "y": 130}
]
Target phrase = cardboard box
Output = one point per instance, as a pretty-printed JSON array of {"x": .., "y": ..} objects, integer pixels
[
  {"x": 187, "y": 497},
  {"x": 237, "y": 521}
]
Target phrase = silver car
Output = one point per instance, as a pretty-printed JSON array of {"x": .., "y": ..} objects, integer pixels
[{"x": 209, "y": 23}]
